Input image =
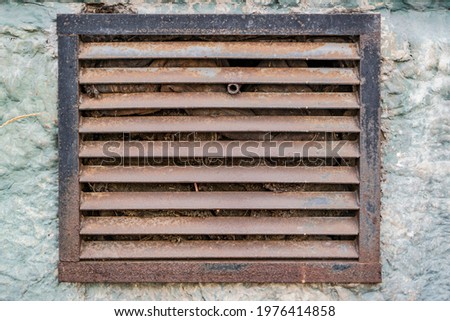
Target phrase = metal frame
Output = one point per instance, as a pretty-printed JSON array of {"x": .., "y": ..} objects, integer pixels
[{"x": 366, "y": 270}]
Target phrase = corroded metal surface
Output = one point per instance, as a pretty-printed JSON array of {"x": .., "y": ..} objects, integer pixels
[
  {"x": 248, "y": 100},
  {"x": 234, "y": 225},
  {"x": 249, "y": 75},
  {"x": 370, "y": 120},
  {"x": 337, "y": 24},
  {"x": 219, "y": 250},
  {"x": 205, "y": 174},
  {"x": 218, "y": 200},
  {"x": 171, "y": 124},
  {"x": 275, "y": 261},
  {"x": 69, "y": 188},
  {"x": 219, "y": 50},
  {"x": 219, "y": 149},
  {"x": 294, "y": 271}
]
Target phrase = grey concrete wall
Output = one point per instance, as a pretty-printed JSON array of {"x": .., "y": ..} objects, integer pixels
[{"x": 415, "y": 226}]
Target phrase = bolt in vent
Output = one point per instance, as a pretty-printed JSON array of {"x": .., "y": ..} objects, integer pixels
[{"x": 219, "y": 148}]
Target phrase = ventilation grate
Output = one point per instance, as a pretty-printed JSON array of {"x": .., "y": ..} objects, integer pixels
[{"x": 194, "y": 154}]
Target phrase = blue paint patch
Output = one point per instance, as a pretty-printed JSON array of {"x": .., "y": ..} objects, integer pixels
[
  {"x": 225, "y": 266},
  {"x": 341, "y": 267}
]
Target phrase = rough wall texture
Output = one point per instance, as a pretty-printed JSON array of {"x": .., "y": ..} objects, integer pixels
[{"x": 416, "y": 156}]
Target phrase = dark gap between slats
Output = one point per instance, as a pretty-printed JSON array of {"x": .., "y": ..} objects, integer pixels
[
  {"x": 216, "y": 162},
  {"x": 220, "y": 136},
  {"x": 225, "y": 260},
  {"x": 143, "y": 63},
  {"x": 215, "y": 187},
  {"x": 222, "y": 213},
  {"x": 143, "y": 38},
  {"x": 95, "y": 91},
  {"x": 181, "y": 238},
  {"x": 204, "y": 111}
]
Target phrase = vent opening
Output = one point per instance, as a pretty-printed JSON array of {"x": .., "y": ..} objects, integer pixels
[{"x": 192, "y": 149}]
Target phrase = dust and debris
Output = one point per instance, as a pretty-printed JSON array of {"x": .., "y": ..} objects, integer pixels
[
  {"x": 108, "y": 8},
  {"x": 14, "y": 119}
]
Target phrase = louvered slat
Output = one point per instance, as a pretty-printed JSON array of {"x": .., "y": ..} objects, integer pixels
[
  {"x": 159, "y": 149},
  {"x": 219, "y": 225},
  {"x": 218, "y": 249},
  {"x": 340, "y": 76},
  {"x": 219, "y": 124},
  {"x": 219, "y": 50},
  {"x": 218, "y": 200},
  {"x": 260, "y": 174},
  {"x": 248, "y": 100}
]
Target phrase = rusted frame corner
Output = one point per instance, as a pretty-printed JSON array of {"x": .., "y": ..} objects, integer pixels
[{"x": 366, "y": 270}]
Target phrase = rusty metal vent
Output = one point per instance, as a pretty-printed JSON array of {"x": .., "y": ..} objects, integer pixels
[{"x": 219, "y": 148}]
